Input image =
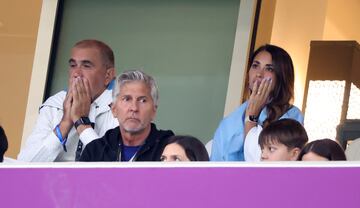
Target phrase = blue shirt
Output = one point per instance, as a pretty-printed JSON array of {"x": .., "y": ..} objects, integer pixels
[
  {"x": 128, "y": 152},
  {"x": 228, "y": 142}
]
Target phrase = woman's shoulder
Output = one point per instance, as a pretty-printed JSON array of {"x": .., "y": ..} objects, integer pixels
[
  {"x": 294, "y": 110},
  {"x": 238, "y": 113},
  {"x": 294, "y": 113},
  {"x": 235, "y": 118}
]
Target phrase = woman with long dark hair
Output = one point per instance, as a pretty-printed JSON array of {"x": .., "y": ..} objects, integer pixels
[{"x": 271, "y": 92}]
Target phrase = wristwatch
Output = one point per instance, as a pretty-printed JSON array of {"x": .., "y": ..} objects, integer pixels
[
  {"x": 252, "y": 118},
  {"x": 82, "y": 121}
]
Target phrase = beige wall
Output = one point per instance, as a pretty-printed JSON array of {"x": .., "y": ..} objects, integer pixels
[
  {"x": 342, "y": 20},
  {"x": 296, "y": 23},
  {"x": 265, "y": 24},
  {"x": 18, "y": 31}
]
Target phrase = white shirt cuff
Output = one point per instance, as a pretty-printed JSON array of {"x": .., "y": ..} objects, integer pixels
[{"x": 88, "y": 135}]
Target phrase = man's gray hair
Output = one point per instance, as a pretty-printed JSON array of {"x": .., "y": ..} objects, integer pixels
[{"x": 136, "y": 75}]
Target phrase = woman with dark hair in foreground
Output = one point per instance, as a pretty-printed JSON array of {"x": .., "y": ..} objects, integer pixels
[{"x": 184, "y": 148}]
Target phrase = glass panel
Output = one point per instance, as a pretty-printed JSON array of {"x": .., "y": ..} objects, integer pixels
[
  {"x": 186, "y": 45},
  {"x": 354, "y": 103},
  {"x": 323, "y": 108}
]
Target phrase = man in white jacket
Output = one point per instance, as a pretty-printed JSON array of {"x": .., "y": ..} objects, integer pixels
[{"x": 68, "y": 121}]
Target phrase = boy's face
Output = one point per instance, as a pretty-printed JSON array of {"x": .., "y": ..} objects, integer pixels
[{"x": 274, "y": 151}]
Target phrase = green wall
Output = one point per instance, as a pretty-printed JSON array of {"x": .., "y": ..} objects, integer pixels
[{"x": 185, "y": 44}]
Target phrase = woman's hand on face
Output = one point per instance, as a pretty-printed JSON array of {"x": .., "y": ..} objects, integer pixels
[{"x": 259, "y": 96}]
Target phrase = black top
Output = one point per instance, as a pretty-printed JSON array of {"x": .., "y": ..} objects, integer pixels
[{"x": 108, "y": 147}]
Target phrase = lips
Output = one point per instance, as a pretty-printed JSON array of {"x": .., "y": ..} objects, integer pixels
[{"x": 132, "y": 119}]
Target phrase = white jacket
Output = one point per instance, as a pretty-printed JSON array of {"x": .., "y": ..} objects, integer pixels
[{"x": 44, "y": 146}]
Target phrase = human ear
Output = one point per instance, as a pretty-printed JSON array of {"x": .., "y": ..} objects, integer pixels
[
  {"x": 295, "y": 153},
  {"x": 153, "y": 116},
  {"x": 113, "y": 109},
  {"x": 110, "y": 75}
]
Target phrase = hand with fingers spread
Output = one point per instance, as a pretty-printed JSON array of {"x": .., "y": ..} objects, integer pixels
[
  {"x": 259, "y": 96},
  {"x": 81, "y": 98}
]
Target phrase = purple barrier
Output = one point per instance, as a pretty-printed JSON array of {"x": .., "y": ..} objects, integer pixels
[{"x": 181, "y": 187}]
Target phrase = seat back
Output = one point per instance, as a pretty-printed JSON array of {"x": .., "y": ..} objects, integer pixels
[{"x": 352, "y": 152}]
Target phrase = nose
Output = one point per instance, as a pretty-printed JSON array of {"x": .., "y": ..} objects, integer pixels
[
  {"x": 76, "y": 72},
  {"x": 260, "y": 73},
  {"x": 263, "y": 155},
  {"x": 134, "y": 106}
]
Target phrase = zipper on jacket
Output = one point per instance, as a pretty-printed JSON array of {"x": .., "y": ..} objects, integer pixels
[{"x": 118, "y": 153}]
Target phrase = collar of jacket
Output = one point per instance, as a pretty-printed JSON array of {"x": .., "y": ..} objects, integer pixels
[{"x": 154, "y": 137}]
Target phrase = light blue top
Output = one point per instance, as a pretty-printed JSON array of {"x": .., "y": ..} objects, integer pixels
[{"x": 228, "y": 143}]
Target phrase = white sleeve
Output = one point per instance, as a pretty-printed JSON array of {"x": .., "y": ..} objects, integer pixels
[
  {"x": 43, "y": 145},
  {"x": 252, "y": 150},
  {"x": 103, "y": 122},
  {"x": 88, "y": 135}
]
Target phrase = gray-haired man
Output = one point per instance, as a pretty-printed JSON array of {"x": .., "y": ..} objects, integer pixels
[{"x": 135, "y": 99}]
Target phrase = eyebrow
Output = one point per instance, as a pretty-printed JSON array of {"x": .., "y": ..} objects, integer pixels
[
  {"x": 82, "y": 61},
  {"x": 71, "y": 60},
  {"x": 132, "y": 97},
  {"x": 141, "y": 97},
  {"x": 176, "y": 156},
  {"x": 87, "y": 62},
  {"x": 258, "y": 62}
]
